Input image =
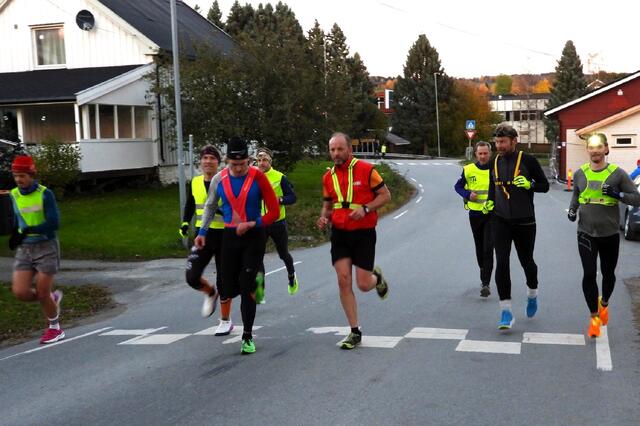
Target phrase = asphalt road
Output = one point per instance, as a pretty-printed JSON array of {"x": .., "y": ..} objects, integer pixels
[{"x": 434, "y": 355}]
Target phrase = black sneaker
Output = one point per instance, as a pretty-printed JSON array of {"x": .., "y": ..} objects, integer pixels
[
  {"x": 485, "y": 291},
  {"x": 351, "y": 341},
  {"x": 382, "y": 287}
]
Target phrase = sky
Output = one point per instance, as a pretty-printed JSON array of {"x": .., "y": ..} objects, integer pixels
[{"x": 476, "y": 38}]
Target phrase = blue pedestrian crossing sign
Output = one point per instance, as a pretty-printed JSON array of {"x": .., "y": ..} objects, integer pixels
[{"x": 470, "y": 125}]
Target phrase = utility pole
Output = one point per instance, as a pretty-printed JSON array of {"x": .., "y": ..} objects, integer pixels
[
  {"x": 178, "y": 106},
  {"x": 435, "y": 82}
]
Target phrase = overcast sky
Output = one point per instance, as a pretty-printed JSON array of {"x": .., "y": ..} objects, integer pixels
[{"x": 476, "y": 38}]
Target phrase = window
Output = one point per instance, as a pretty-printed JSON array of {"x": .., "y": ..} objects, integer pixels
[
  {"x": 49, "y": 46},
  {"x": 107, "y": 129},
  {"x": 624, "y": 140},
  {"x": 143, "y": 124},
  {"x": 124, "y": 122}
]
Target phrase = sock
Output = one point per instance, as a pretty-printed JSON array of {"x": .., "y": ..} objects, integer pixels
[
  {"x": 54, "y": 323},
  {"x": 356, "y": 330},
  {"x": 505, "y": 305},
  {"x": 246, "y": 335},
  {"x": 225, "y": 309},
  {"x": 532, "y": 292},
  {"x": 291, "y": 277}
]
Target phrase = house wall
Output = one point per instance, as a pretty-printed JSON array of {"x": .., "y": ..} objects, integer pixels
[
  {"x": 116, "y": 154},
  {"x": 111, "y": 42}
]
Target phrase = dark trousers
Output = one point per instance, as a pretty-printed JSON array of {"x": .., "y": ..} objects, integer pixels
[
  {"x": 199, "y": 259},
  {"x": 279, "y": 234},
  {"x": 589, "y": 249},
  {"x": 483, "y": 239},
  {"x": 523, "y": 237}
]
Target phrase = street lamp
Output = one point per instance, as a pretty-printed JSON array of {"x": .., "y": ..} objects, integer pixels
[{"x": 435, "y": 82}]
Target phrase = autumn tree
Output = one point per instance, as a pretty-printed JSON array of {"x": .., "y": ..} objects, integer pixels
[{"x": 503, "y": 85}]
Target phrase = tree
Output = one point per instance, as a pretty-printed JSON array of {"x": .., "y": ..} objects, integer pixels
[
  {"x": 569, "y": 84},
  {"x": 215, "y": 15},
  {"x": 543, "y": 86},
  {"x": 415, "y": 117},
  {"x": 503, "y": 85}
]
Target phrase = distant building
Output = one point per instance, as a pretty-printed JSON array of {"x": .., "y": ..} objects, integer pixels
[{"x": 524, "y": 113}]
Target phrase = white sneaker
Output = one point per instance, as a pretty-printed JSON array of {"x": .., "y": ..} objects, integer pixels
[
  {"x": 224, "y": 328},
  {"x": 209, "y": 305}
]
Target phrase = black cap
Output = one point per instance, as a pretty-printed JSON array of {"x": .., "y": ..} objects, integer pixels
[
  {"x": 210, "y": 150},
  {"x": 237, "y": 148}
]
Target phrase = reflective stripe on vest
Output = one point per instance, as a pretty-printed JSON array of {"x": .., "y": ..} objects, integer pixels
[
  {"x": 478, "y": 182},
  {"x": 275, "y": 179},
  {"x": 592, "y": 194},
  {"x": 199, "y": 192},
  {"x": 238, "y": 204},
  {"x": 342, "y": 202},
  {"x": 30, "y": 206},
  {"x": 502, "y": 184}
]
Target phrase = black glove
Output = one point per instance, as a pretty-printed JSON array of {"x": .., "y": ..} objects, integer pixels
[
  {"x": 16, "y": 239},
  {"x": 572, "y": 215},
  {"x": 610, "y": 191}
]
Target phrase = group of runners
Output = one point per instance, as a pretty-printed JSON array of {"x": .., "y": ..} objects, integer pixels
[{"x": 237, "y": 208}]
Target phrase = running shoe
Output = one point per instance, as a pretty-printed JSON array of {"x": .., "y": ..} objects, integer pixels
[
  {"x": 57, "y": 299},
  {"x": 532, "y": 306},
  {"x": 603, "y": 312},
  {"x": 248, "y": 347},
  {"x": 382, "y": 287},
  {"x": 260, "y": 288},
  {"x": 209, "y": 304},
  {"x": 594, "y": 326},
  {"x": 224, "y": 328},
  {"x": 485, "y": 291},
  {"x": 506, "y": 320},
  {"x": 51, "y": 335},
  {"x": 293, "y": 286},
  {"x": 351, "y": 341}
]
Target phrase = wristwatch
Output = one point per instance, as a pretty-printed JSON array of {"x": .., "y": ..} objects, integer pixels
[{"x": 366, "y": 209}]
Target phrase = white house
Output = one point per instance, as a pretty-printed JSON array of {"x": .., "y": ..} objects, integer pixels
[
  {"x": 524, "y": 113},
  {"x": 81, "y": 70}
]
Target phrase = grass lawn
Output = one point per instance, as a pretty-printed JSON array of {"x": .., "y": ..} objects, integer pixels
[
  {"x": 20, "y": 320},
  {"x": 138, "y": 224}
]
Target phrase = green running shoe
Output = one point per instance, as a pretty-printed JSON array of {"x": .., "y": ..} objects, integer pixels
[
  {"x": 382, "y": 287},
  {"x": 351, "y": 341},
  {"x": 293, "y": 287},
  {"x": 248, "y": 347},
  {"x": 260, "y": 288}
]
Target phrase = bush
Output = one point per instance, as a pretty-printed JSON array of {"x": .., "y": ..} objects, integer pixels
[
  {"x": 6, "y": 158},
  {"x": 58, "y": 164}
]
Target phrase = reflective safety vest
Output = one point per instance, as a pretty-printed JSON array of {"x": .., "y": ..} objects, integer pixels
[
  {"x": 275, "y": 178},
  {"x": 30, "y": 206},
  {"x": 502, "y": 184},
  {"x": 238, "y": 204},
  {"x": 199, "y": 192},
  {"x": 592, "y": 194},
  {"x": 349, "y": 188},
  {"x": 344, "y": 203},
  {"x": 383, "y": 149},
  {"x": 478, "y": 182}
]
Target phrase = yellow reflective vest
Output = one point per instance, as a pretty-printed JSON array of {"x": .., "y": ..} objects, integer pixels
[
  {"x": 478, "y": 182},
  {"x": 30, "y": 206},
  {"x": 592, "y": 194},
  {"x": 275, "y": 179},
  {"x": 199, "y": 192}
]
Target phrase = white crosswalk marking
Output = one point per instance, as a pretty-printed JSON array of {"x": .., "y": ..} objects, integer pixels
[
  {"x": 384, "y": 342},
  {"x": 553, "y": 339},
  {"x": 489, "y": 347},
  {"x": 155, "y": 339},
  {"x": 603, "y": 352},
  {"x": 237, "y": 334},
  {"x": 437, "y": 333}
]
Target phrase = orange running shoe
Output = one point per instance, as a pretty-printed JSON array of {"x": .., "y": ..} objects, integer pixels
[
  {"x": 603, "y": 312},
  {"x": 594, "y": 327}
]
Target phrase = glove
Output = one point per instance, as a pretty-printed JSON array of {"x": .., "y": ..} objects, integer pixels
[
  {"x": 16, "y": 239},
  {"x": 487, "y": 207},
  {"x": 522, "y": 182},
  {"x": 184, "y": 229},
  {"x": 572, "y": 215},
  {"x": 610, "y": 191}
]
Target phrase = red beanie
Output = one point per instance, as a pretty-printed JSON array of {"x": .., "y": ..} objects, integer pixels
[{"x": 23, "y": 164}]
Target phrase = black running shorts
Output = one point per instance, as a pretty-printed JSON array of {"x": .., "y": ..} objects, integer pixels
[{"x": 358, "y": 245}]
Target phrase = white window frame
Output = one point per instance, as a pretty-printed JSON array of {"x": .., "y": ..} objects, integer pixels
[
  {"x": 34, "y": 45},
  {"x": 625, "y": 136}
]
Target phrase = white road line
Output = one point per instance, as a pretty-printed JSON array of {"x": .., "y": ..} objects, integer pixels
[
  {"x": 156, "y": 339},
  {"x": 437, "y": 333},
  {"x": 384, "y": 342},
  {"x": 510, "y": 348},
  {"x": 419, "y": 199},
  {"x": 448, "y": 164},
  {"x": 401, "y": 214},
  {"x": 140, "y": 332},
  {"x": 436, "y": 164},
  {"x": 399, "y": 164},
  {"x": 144, "y": 287},
  {"x": 412, "y": 164},
  {"x": 414, "y": 180},
  {"x": 39, "y": 348},
  {"x": 150, "y": 331},
  {"x": 337, "y": 331},
  {"x": 280, "y": 269},
  {"x": 603, "y": 352},
  {"x": 553, "y": 339}
]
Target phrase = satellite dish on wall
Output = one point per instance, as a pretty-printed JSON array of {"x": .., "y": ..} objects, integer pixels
[{"x": 85, "y": 20}]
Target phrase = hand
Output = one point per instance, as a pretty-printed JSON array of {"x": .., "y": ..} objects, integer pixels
[
  {"x": 16, "y": 239},
  {"x": 184, "y": 230},
  {"x": 487, "y": 207},
  {"x": 358, "y": 213},
  {"x": 322, "y": 222},
  {"x": 243, "y": 227},
  {"x": 572, "y": 215},
  {"x": 199, "y": 241},
  {"x": 522, "y": 182},
  {"x": 473, "y": 196},
  {"x": 610, "y": 191}
]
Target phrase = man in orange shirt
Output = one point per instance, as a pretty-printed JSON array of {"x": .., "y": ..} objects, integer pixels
[{"x": 352, "y": 192}]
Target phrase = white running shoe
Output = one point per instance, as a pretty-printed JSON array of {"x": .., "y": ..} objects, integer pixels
[
  {"x": 209, "y": 304},
  {"x": 224, "y": 328}
]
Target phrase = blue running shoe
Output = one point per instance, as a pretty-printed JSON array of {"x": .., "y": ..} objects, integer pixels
[
  {"x": 506, "y": 321},
  {"x": 532, "y": 306}
]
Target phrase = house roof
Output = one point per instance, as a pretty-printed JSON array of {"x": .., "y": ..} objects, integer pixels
[
  {"x": 511, "y": 96},
  {"x": 608, "y": 120},
  {"x": 153, "y": 19},
  {"x": 55, "y": 85},
  {"x": 396, "y": 140},
  {"x": 596, "y": 92}
]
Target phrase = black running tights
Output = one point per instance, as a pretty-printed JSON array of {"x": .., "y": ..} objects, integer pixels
[{"x": 589, "y": 249}]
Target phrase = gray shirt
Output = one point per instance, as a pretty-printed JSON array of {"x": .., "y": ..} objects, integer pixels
[{"x": 597, "y": 220}]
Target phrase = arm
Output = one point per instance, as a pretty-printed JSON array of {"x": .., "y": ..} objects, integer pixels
[
  {"x": 189, "y": 206},
  {"x": 288, "y": 196},
  {"x": 459, "y": 187},
  {"x": 491, "y": 196},
  {"x": 574, "y": 204},
  {"x": 211, "y": 205},
  {"x": 270, "y": 200},
  {"x": 51, "y": 215},
  {"x": 628, "y": 191},
  {"x": 327, "y": 207},
  {"x": 538, "y": 178},
  {"x": 381, "y": 192}
]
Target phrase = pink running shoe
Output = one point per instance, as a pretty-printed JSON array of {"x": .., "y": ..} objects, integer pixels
[{"x": 51, "y": 335}]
